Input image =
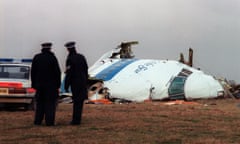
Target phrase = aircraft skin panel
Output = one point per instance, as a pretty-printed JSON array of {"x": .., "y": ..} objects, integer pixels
[
  {"x": 110, "y": 71},
  {"x": 129, "y": 85},
  {"x": 202, "y": 86},
  {"x": 216, "y": 87},
  {"x": 133, "y": 90},
  {"x": 100, "y": 66},
  {"x": 158, "y": 74}
]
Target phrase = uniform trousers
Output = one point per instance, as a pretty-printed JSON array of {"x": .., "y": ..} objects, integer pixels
[
  {"x": 46, "y": 102},
  {"x": 79, "y": 96}
]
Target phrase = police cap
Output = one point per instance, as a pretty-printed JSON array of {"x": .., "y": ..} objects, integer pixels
[
  {"x": 46, "y": 45},
  {"x": 70, "y": 44}
]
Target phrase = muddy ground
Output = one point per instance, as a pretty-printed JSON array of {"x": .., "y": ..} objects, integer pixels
[{"x": 200, "y": 122}]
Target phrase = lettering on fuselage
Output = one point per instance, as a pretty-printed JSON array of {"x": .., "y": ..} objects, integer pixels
[{"x": 146, "y": 66}]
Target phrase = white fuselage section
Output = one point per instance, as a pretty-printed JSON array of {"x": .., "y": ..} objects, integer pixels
[{"x": 142, "y": 79}]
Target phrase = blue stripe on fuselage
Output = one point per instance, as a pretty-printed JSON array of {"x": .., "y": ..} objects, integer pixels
[{"x": 109, "y": 72}]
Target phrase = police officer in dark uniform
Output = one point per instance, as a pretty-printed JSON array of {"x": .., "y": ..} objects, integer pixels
[
  {"x": 76, "y": 78},
  {"x": 46, "y": 79}
]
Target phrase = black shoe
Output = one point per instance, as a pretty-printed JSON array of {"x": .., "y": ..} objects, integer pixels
[
  {"x": 50, "y": 124},
  {"x": 37, "y": 124},
  {"x": 75, "y": 123}
]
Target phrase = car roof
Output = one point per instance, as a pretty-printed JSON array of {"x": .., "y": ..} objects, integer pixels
[{"x": 15, "y": 64}]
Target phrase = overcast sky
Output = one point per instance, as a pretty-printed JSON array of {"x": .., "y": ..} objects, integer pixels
[{"x": 164, "y": 29}]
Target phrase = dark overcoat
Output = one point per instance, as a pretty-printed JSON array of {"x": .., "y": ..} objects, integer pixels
[
  {"x": 45, "y": 71},
  {"x": 76, "y": 73}
]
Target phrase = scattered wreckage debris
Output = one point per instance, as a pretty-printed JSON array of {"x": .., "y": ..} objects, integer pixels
[
  {"x": 99, "y": 101},
  {"x": 136, "y": 79},
  {"x": 190, "y": 58},
  {"x": 180, "y": 102},
  {"x": 119, "y": 77},
  {"x": 98, "y": 94},
  {"x": 125, "y": 50},
  {"x": 232, "y": 89}
]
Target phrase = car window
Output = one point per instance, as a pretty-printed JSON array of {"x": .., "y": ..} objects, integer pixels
[{"x": 14, "y": 72}]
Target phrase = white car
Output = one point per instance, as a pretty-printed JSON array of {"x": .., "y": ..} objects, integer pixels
[{"x": 15, "y": 85}]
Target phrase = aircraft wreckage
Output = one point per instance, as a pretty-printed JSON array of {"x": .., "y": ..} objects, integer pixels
[{"x": 119, "y": 75}]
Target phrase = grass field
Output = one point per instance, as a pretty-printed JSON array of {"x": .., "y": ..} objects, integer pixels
[{"x": 203, "y": 122}]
